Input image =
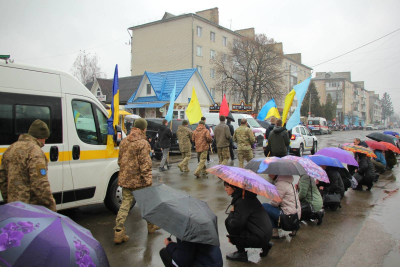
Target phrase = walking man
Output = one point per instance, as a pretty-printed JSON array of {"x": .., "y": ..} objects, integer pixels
[
  {"x": 208, "y": 153},
  {"x": 184, "y": 135},
  {"x": 244, "y": 138},
  {"x": 23, "y": 170},
  {"x": 222, "y": 137},
  {"x": 164, "y": 140},
  {"x": 202, "y": 139},
  {"x": 270, "y": 127},
  {"x": 134, "y": 174},
  {"x": 278, "y": 140}
]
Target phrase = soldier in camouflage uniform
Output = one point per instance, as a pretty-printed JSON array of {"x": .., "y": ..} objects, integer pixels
[
  {"x": 202, "y": 139},
  {"x": 244, "y": 138},
  {"x": 23, "y": 170},
  {"x": 184, "y": 135},
  {"x": 134, "y": 174},
  {"x": 222, "y": 137}
]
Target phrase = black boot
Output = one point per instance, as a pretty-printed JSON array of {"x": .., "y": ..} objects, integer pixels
[
  {"x": 238, "y": 256},
  {"x": 320, "y": 214},
  {"x": 376, "y": 178},
  {"x": 266, "y": 250}
]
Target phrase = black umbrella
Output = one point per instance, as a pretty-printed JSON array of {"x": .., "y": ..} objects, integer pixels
[
  {"x": 285, "y": 167},
  {"x": 185, "y": 217},
  {"x": 381, "y": 137}
]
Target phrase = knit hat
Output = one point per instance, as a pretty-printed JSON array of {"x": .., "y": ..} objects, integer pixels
[
  {"x": 140, "y": 123},
  {"x": 185, "y": 122},
  {"x": 202, "y": 122},
  {"x": 39, "y": 130}
]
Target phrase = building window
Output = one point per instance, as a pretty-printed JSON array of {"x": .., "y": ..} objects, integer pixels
[
  {"x": 199, "y": 51},
  {"x": 212, "y": 54},
  {"x": 286, "y": 67},
  {"x": 200, "y": 69},
  {"x": 98, "y": 92},
  {"x": 212, "y": 73},
  {"x": 212, "y": 92},
  {"x": 224, "y": 57},
  {"x": 148, "y": 92},
  {"x": 199, "y": 31},
  {"x": 224, "y": 41},
  {"x": 212, "y": 36}
]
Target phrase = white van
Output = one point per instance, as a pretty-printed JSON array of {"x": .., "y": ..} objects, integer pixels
[
  {"x": 318, "y": 125},
  {"x": 80, "y": 173}
]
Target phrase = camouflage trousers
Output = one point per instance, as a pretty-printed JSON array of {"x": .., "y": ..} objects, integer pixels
[
  {"x": 201, "y": 168},
  {"x": 244, "y": 154},
  {"x": 185, "y": 162},
  {"x": 127, "y": 200},
  {"x": 223, "y": 155}
]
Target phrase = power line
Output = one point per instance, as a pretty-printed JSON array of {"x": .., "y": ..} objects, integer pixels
[
  {"x": 357, "y": 48},
  {"x": 381, "y": 69}
]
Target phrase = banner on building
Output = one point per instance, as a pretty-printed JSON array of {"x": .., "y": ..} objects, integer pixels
[
  {"x": 215, "y": 108},
  {"x": 242, "y": 107}
]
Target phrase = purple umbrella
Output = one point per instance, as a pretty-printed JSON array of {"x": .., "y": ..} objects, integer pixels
[
  {"x": 340, "y": 154},
  {"x": 32, "y": 235},
  {"x": 311, "y": 168}
]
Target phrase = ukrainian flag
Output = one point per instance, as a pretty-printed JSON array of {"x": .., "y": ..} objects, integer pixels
[
  {"x": 268, "y": 110},
  {"x": 114, "y": 118}
]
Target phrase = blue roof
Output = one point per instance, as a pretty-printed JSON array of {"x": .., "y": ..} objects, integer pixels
[{"x": 163, "y": 83}]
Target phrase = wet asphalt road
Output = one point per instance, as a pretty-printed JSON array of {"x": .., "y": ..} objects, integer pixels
[{"x": 363, "y": 232}]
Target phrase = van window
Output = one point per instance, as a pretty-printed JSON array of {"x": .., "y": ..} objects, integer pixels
[
  {"x": 25, "y": 115},
  {"x": 324, "y": 123},
  {"x": 84, "y": 122},
  {"x": 313, "y": 122},
  {"x": 6, "y": 120},
  {"x": 253, "y": 123},
  {"x": 103, "y": 125}
]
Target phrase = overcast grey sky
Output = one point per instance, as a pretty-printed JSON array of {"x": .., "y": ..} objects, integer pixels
[{"x": 51, "y": 33}]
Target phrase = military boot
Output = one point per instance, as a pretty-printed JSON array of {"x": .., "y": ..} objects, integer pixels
[
  {"x": 152, "y": 228},
  {"x": 180, "y": 168},
  {"x": 120, "y": 236}
]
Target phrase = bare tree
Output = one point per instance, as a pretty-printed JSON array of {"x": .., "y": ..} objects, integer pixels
[
  {"x": 251, "y": 70},
  {"x": 86, "y": 67}
]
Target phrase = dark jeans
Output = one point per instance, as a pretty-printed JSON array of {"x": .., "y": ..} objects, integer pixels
[
  {"x": 273, "y": 213},
  {"x": 231, "y": 150},
  {"x": 166, "y": 258}
]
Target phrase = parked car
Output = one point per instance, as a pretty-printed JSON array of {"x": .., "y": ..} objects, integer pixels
[
  {"x": 302, "y": 139},
  {"x": 369, "y": 127}
]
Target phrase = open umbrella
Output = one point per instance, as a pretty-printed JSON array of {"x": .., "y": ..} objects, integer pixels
[
  {"x": 185, "y": 217},
  {"x": 381, "y": 137},
  {"x": 391, "y": 147},
  {"x": 324, "y": 160},
  {"x": 391, "y": 133},
  {"x": 285, "y": 167},
  {"x": 260, "y": 165},
  {"x": 247, "y": 180},
  {"x": 374, "y": 145},
  {"x": 337, "y": 153},
  {"x": 32, "y": 235},
  {"x": 359, "y": 149},
  {"x": 311, "y": 168}
]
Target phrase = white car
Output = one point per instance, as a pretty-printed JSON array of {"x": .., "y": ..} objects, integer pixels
[{"x": 301, "y": 140}]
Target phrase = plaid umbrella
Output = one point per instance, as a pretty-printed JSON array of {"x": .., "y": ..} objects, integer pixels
[
  {"x": 391, "y": 147},
  {"x": 360, "y": 149},
  {"x": 376, "y": 145}
]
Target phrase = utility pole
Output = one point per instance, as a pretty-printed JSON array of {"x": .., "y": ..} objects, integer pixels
[{"x": 309, "y": 106}]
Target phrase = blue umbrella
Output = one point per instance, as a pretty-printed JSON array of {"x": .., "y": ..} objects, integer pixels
[
  {"x": 391, "y": 133},
  {"x": 324, "y": 160},
  {"x": 32, "y": 235}
]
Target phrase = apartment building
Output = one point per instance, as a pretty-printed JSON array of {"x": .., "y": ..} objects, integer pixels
[
  {"x": 351, "y": 97},
  {"x": 375, "y": 108}
]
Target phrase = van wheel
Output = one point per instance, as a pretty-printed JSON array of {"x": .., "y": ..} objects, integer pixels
[
  {"x": 113, "y": 198},
  {"x": 300, "y": 151},
  {"x": 315, "y": 148}
]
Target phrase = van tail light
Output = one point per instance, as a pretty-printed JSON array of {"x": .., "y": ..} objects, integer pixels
[{"x": 293, "y": 137}]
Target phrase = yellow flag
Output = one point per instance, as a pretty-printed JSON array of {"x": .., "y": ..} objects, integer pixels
[
  {"x": 288, "y": 103},
  {"x": 193, "y": 111}
]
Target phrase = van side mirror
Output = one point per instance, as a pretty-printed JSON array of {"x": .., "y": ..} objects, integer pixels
[{"x": 118, "y": 136}]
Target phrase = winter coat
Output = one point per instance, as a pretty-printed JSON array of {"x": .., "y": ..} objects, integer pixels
[
  {"x": 363, "y": 143},
  {"x": 308, "y": 192},
  {"x": 269, "y": 129},
  {"x": 222, "y": 135},
  {"x": 346, "y": 177},
  {"x": 134, "y": 161},
  {"x": 285, "y": 189},
  {"x": 202, "y": 138},
  {"x": 231, "y": 129},
  {"x": 366, "y": 167},
  {"x": 184, "y": 135},
  {"x": 244, "y": 138},
  {"x": 164, "y": 137},
  {"x": 278, "y": 141},
  {"x": 335, "y": 184},
  {"x": 390, "y": 158},
  {"x": 249, "y": 224},
  {"x": 187, "y": 254},
  {"x": 23, "y": 173},
  {"x": 379, "y": 157}
]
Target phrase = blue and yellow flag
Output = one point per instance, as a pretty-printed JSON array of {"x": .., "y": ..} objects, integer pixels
[
  {"x": 114, "y": 118},
  {"x": 301, "y": 90},
  {"x": 268, "y": 110},
  {"x": 170, "y": 111}
]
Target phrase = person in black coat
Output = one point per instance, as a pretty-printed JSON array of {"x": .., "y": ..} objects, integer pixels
[
  {"x": 270, "y": 127},
  {"x": 188, "y": 254},
  {"x": 164, "y": 142},
  {"x": 365, "y": 174},
  {"x": 232, "y": 130},
  {"x": 335, "y": 185},
  {"x": 248, "y": 224},
  {"x": 346, "y": 177}
]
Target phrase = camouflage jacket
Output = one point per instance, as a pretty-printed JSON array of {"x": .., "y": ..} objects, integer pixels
[
  {"x": 244, "y": 138},
  {"x": 134, "y": 161},
  {"x": 201, "y": 138},
  {"x": 23, "y": 173},
  {"x": 184, "y": 135}
]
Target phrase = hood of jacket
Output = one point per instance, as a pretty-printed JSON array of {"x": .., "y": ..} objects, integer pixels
[
  {"x": 285, "y": 178},
  {"x": 200, "y": 127},
  {"x": 136, "y": 134},
  {"x": 278, "y": 129},
  {"x": 30, "y": 138}
]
